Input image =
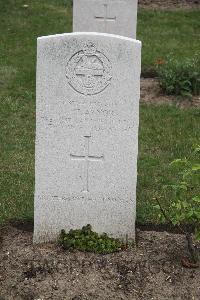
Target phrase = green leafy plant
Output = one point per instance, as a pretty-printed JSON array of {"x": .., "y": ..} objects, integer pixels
[
  {"x": 87, "y": 240},
  {"x": 184, "y": 207},
  {"x": 179, "y": 78}
]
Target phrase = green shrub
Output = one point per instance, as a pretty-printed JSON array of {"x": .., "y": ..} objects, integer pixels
[
  {"x": 87, "y": 240},
  {"x": 184, "y": 195},
  {"x": 179, "y": 78}
]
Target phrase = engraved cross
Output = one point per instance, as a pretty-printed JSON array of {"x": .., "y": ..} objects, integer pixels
[
  {"x": 87, "y": 158},
  {"x": 89, "y": 71},
  {"x": 89, "y": 74},
  {"x": 105, "y": 18}
]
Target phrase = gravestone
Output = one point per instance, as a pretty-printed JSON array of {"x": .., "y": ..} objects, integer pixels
[
  {"x": 109, "y": 16},
  {"x": 87, "y": 113}
]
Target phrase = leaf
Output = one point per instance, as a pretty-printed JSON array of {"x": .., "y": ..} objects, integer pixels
[
  {"x": 197, "y": 235},
  {"x": 186, "y": 94},
  {"x": 184, "y": 183},
  {"x": 196, "y": 199},
  {"x": 178, "y": 205},
  {"x": 190, "y": 214},
  {"x": 187, "y": 264},
  {"x": 183, "y": 187},
  {"x": 178, "y": 161},
  {"x": 156, "y": 207},
  {"x": 185, "y": 204},
  {"x": 196, "y": 167},
  {"x": 175, "y": 222},
  {"x": 197, "y": 149}
]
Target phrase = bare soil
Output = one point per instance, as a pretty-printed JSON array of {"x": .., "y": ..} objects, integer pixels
[
  {"x": 170, "y": 4},
  {"x": 151, "y": 93},
  {"x": 151, "y": 270}
]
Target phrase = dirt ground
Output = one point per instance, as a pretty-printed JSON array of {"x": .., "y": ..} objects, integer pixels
[
  {"x": 170, "y": 4},
  {"x": 152, "y": 94},
  {"x": 150, "y": 271}
]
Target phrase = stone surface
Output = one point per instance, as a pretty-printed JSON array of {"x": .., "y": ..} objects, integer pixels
[
  {"x": 88, "y": 88},
  {"x": 109, "y": 16}
]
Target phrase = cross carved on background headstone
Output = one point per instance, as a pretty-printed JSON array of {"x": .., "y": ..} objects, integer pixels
[{"x": 105, "y": 18}]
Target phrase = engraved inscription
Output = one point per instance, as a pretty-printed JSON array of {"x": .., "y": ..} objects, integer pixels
[
  {"x": 87, "y": 158},
  {"x": 89, "y": 70},
  {"x": 105, "y": 18}
]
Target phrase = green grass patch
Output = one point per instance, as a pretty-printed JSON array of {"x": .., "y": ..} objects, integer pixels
[
  {"x": 166, "y": 133},
  {"x": 163, "y": 33}
]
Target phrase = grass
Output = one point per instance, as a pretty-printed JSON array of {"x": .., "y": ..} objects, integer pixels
[
  {"x": 165, "y": 132},
  {"x": 166, "y": 33}
]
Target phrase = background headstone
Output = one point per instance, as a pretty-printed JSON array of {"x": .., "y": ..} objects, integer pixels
[
  {"x": 88, "y": 88},
  {"x": 109, "y": 16}
]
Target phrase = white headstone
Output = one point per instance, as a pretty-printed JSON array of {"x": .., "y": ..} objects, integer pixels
[
  {"x": 109, "y": 16},
  {"x": 88, "y": 88}
]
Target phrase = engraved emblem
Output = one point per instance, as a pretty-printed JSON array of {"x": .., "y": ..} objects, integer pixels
[{"x": 89, "y": 70}]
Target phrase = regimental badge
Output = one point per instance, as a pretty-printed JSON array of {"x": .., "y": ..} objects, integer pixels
[{"x": 89, "y": 71}]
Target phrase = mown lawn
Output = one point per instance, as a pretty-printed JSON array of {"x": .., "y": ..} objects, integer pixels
[
  {"x": 168, "y": 33},
  {"x": 165, "y": 132}
]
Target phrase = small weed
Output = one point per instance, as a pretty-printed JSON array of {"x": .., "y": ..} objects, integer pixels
[
  {"x": 179, "y": 78},
  {"x": 87, "y": 240},
  {"x": 184, "y": 193}
]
